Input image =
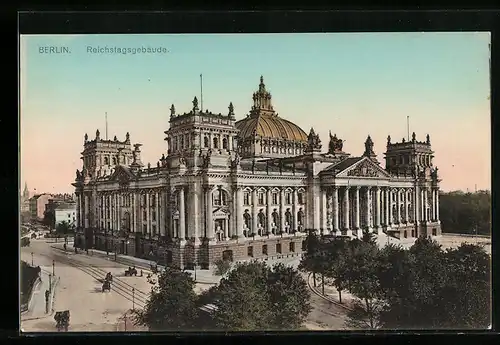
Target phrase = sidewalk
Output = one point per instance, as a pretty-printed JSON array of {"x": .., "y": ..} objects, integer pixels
[{"x": 37, "y": 303}]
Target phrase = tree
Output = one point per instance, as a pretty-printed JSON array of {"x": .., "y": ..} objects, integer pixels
[
  {"x": 362, "y": 282},
  {"x": 289, "y": 298},
  {"x": 467, "y": 213},
  {"x": 241, "y": 301},
  {"x": 255, "y": 296},
  {"x": 171, "y": 304},
  {"x": 222, "y": 267},
  {"x": 466, "y": 298},
  {"x": 312, "y": 259},
  {"x": 63, "y": 228},
  {"x": 337, "y": 268}
]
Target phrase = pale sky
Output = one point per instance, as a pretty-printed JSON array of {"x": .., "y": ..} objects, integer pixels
[{"x": 352, "y": 84}]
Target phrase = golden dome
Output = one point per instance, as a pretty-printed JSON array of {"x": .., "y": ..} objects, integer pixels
[{"x": 270, "y": 126}]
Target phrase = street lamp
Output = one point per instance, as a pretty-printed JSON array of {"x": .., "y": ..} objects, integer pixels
[
  {"x": 194, "y": 264},
  {"x": 50, "y": 283},
  {"x": 54, "y": 268},
  {"x": 32, "y": 260},
  {"x": 133, "y": 299}
]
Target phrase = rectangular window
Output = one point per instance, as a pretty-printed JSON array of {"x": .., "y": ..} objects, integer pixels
[
  {"x": 144, "y": 215},
  {"x": 153, "y": 216},
  {"x": 288, "y": 198},
  {"x": 250, "y": 251},
  {"x": 292, "y": 247},
  {"x": 246, "y": 198},
  {"x": 264, "y": 249},
  {"x": 275, "y": 198},
  {"x": 261, "y": 198},
  {"x": 144, "y": 229},
  {"x": 278, "y": 248},
  {"x": 153, "y": 227}
]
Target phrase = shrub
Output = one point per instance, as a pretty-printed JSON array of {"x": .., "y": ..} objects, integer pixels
[{"x": 222, "y": 267}]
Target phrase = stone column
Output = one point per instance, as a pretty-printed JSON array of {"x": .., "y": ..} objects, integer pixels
[
  {"x": 293, "y": 226},
  {"x": 133, "y": 215},
  {"x": 437, "y": 205},
  {"x": 335, "y": 208},
  {"x": 209, "y": 221},
  {"x": 406, "y": 206},
  {"x": 367, "y": 207},
  {"x": 86, "y": 204},
  {"x": 426, "y": 198},
  {"x": 268, "y": 211},
  {"x": 322, "y": 210},
  {"x": 182, "y": 215},
  {"x": 416, "y": 206},
  {"x": 226, "y": 229},
  {"x": 254, "y": 211},
  {"x": 398, "y": 207},
  {"x": 346, "y": 208},
  {"x": 194, "y": 210},
  {"x": 148, "y": 213},
  {"x": 158, "y": 223},
  {"x": 422, "y": 205},
  {"x": 433, "y": 212},
  {"x": 78, "y": 217},
  {"x": 377, "y": 207},
  {"x": 239, "y": 211},
  {"x": 356, "y": 208},
  {"x": 282, "y": 210},
  {"x": 388, "y": 211}
]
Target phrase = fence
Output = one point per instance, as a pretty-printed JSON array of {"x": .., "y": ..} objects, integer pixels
[
  {"x": 465, "y": 235},
  {"x": 25, "y": 305}
]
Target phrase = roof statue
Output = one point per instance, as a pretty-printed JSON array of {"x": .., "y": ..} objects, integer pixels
[
  {"x": 313, "y": 141},
  {"x": 172, "y": 110},
  {"x": 335, "y": 144},
  {"x": 195, "y": 104},
  {"x": 127, "y": 136},
  {"x": 86, "y": 137},
  {"x": 388, "y": 140},
  {"x": 115, "y": 138},
  {"x": 413, "y": 137},
  {"x": 97, "y": 134},
  {"x": 428, "y": 139},
  {"x": 231, "y": 110},
  {"x": 369, "y": 147}
]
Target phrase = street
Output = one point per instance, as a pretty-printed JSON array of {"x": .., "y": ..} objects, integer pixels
[{"x": 79, "y": 289}]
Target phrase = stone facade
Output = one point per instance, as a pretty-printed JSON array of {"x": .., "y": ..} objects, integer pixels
[{"x": 246, "y": 189}]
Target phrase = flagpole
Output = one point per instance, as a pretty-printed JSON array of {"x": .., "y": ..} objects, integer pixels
[
  {"x": 201, "y": 89},
  {"x": 408, "y": 127},
  {"x": 106, "y": 118}
]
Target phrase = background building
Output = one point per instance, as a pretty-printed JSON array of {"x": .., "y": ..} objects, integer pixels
[
  {"x": 37, "y": 205},
  {"x": 246, "y": 189},
  {"x": 25, "y": 199},
  {"x": 65, "y": 212}
]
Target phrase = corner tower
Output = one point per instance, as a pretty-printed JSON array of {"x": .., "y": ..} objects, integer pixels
[
  {"x": 100, "y": 156},
  {"x": 196, "y": 137},
  {"x": 409, "y": 157}
]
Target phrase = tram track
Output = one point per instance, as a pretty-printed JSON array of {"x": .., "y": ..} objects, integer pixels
[{"x": 118, "y": 286}]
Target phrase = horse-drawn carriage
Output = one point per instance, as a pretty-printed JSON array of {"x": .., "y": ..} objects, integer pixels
[
  {"x": 131, "y": 272},
  {"x": 106, "y": 285},
  {"x": 62, "y": 320},
  {"x": 109, "y": 277}
]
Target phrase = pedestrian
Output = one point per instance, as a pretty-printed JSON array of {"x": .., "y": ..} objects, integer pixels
[
  {"x": 47, "y": 297},
  {"x": 64, "y": 246}
]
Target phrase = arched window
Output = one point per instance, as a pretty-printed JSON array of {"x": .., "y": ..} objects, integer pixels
[
  {"x": 276, "y": 218},
  {"x": 224, "y": 144},
  {"x": 262, "y": 219},
  {"x": 219, "y": 198},
  {"x": 206, "y": 142},
  {"x": 216, "y": 143},
  {"x": 246, "y": 218}
]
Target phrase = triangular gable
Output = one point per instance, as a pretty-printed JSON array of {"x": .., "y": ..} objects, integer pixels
[
  {"x": 122, "y": 174},
  {"x": 363, "y": 168},
  {"x": 221, "y": 212}
]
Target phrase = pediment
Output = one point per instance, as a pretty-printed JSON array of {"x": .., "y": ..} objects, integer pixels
[
  {"x": 221, "y": 211},
  {"x": 364, "y": 168},
  {"x": 122, "y": 175}
]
